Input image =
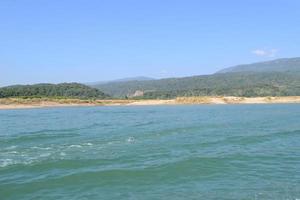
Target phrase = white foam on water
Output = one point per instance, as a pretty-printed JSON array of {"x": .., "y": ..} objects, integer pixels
[
  {"x": 6, "y": 162},
  {"x": 62, "y": 154},
  {"x": 28, "y": 162},
  {"x": 75, "y": 146},
  {"x": 130, "y": 139},
  {"x": 11, "y": 147},
  {"x": 89, "y": 144},
  {"x": 45, "y": 155},
  {"x": 25, "y": 160},
  {"x": 42, "y": 148}
]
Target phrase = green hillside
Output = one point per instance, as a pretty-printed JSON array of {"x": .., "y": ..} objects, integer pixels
[
  {"x": 278, "y": 65},
  {"x": 72, "y": 90},
  {"x": 273, "y": 78},
  {"x": 229, "y": 84}
]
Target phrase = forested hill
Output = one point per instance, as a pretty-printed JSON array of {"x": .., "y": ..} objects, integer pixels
[
  {"x": 72, "y": 90},
  {"x": 228, "y": 84},
  {"x": 279, "y": 77},
  {"x": 278, "y": 65}
]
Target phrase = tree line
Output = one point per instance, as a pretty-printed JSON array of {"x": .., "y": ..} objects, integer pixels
[{"x": 74, "y": 90}]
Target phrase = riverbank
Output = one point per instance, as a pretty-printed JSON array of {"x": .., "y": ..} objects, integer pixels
[{"x": 21, "y": 103}]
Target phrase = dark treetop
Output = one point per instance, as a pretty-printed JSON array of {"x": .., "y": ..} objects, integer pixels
[{"x": 74, "y": 90}]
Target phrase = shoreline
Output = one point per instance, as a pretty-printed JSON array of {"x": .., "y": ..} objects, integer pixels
[{"x": 18, "y": 103}]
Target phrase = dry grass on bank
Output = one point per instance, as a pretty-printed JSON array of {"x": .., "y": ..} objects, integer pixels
[
  {"x": 237, "y": 100},
  {"x": 14, "y": 103}
]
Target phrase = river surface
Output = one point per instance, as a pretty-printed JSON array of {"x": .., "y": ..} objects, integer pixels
[{"x": 151, "y": 152}]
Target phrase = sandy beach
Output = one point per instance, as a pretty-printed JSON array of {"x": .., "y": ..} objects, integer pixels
[
  {"x": 17, "y": 103},
  {"x": 237, "y": 100}
]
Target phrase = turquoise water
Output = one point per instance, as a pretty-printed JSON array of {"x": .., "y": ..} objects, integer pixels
[{"x": 154, "y": 152}]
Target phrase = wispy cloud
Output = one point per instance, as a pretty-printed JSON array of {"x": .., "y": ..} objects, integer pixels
[{"x": 265, "y": 52}]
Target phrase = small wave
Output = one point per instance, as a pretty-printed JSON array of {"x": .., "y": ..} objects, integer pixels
[
  {"x": 50, "y": 131},
  {"x": 41, "y": 148},
  {"x": 95, "y": 125},
  {"x": 10, "y": 162},
  {"x": 111, "y": 142},
  {"x": 12, "y": 152},
  {"x": 45, "y": 155},
  {"x": 6, "y": 162},
  {"x": 11, "y": 147},
  {"x": 75, "y": 146},
  {"x": 36, "y": 137},
  {"x": 62, "y": 154},
  {"x": 145, "y": 124}
]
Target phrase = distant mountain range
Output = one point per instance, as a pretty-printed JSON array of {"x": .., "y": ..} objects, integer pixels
[
  {"x": 137, "y": 78},
  {"x": 279, "y": 77},
  {"x": 278, "y": 65}
]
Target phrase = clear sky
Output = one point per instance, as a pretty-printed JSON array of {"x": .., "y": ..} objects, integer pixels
[{"x": 94, "y": 40}]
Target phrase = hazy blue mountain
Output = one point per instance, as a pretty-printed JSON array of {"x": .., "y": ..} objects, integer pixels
[
  {"x": 137, "y": 78},
  {"x": 278, "y": 65}
]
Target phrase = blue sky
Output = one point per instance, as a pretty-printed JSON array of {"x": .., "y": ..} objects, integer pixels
[{"x": 94, "y": 40}]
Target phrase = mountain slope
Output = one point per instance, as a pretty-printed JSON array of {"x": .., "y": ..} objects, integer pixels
[
  {"x": 273, "y": 78},
  {"x": 279, "y": 65},
  {"x": 75, "y": 90},
  {"x": 228, "y": 84},
  {"x": 138, "y": 78}
]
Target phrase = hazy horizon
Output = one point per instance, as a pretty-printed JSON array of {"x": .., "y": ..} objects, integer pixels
[{"x": 79, "y": 41}]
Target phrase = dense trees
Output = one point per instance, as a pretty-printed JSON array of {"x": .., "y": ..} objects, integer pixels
[
  {"x": 279, "y": 77},
  {"x": 74, "y": 90},
  {"x": 278, "y": 65},
  {"x": 226, "y": 84}
]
